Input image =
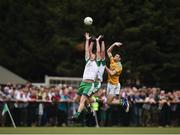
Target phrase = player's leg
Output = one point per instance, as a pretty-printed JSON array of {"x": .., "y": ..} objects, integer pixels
[
  {"x": 110, "y": 99},
  {"x": 122, "y": 98},
  {"x": 89, "y": 99},
  {"x": 87, "y": 90},
  {"x": 77, "y": 99},
  {"x": 92, "y": 96},
  {"x": 97, "y": 86},
  {"x": 110, "y": 93},
  {"x": 79, "y": 93},
  {"x": 81, "y": 105}
]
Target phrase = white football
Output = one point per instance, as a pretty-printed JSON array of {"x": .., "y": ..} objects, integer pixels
[{"x": 88, "y": 21}]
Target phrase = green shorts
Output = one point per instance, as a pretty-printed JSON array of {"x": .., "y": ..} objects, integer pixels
[
  {"x": 97, "y": 86},
  {"x": 85, "y": 89}
]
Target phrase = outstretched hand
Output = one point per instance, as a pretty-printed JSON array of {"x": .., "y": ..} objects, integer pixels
[
  {"x": 87, "y": 36},
  {"x": 100, "y": 36},
  {"x": 118, "y": 44}
]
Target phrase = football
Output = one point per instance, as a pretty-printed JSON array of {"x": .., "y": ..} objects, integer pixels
[{"x": 88, "y": 21}]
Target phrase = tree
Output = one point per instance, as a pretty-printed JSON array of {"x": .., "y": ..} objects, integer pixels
[{"x": 42, "y": 37}]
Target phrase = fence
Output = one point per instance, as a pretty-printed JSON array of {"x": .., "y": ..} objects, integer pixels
[
  {"x": 54, "y": 81},
  {"x": 39, "y": 113}
]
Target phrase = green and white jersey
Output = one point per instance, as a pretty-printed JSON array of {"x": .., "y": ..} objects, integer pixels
[
  {"x": 91, "y": 69},
  {"x": 101, "y": 70}
]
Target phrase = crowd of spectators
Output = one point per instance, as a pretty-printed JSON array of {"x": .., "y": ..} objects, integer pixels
[
  {"x": 153, "y": 106},
  {"x": 42, "y": 106}
]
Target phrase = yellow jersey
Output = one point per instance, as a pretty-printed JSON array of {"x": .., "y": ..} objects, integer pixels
[{"x": 117, "y": 66}]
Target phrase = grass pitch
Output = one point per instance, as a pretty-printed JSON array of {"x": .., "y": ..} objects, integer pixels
[{"x": 87, "y": 130}]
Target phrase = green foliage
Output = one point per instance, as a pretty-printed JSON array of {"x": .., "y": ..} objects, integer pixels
[{"x": 41, "y": 37}]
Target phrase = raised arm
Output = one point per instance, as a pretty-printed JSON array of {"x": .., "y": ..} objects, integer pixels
[
  {"x": 91, "y": 47},
  {"x": 102, "y": 50},
  {"x": 109, "y": 51},
  {"x": 87, "y": 54},
  {"x": 98, "y": 49}
]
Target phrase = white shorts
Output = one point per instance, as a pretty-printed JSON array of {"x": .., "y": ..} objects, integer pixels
[{"x": 113, "y": 89}]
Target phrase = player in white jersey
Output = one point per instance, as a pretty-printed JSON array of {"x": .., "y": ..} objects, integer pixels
[
  {"x": 99, "y": 76},
  {"x": 90, "y": 72},
  {"x": 99, "y": 79}
]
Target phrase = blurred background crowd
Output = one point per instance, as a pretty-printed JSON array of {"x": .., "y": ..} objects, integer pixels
[{"x": 43, "y": 106}]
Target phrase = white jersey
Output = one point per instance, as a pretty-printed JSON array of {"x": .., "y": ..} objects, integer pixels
[
  {"x": 101, "y": 72},
  {"x": 91, "y": 70}
]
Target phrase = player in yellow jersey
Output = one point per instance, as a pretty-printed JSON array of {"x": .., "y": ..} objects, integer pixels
[{"x": 114, "y": 72}]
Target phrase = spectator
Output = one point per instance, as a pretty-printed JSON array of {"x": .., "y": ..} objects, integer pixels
[
  {"x": 41, "y": 106},
  {"x": 63, "y": 107}
]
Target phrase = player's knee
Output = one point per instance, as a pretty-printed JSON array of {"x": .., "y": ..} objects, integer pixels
[
  {"x": 83, "y": 99},
  {"x": 110, "y": 99}
]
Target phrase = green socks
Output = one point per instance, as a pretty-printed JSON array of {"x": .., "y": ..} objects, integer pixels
[{"x": 77, "y": 114}]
